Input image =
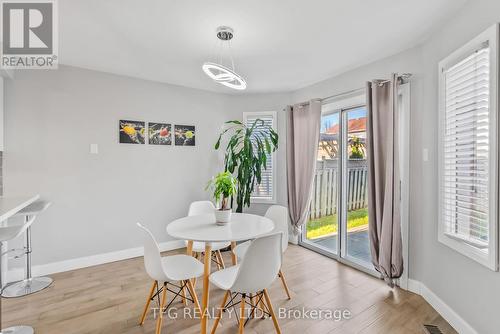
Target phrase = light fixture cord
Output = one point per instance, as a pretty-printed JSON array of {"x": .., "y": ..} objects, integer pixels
[{"x": 231, "y": 54}]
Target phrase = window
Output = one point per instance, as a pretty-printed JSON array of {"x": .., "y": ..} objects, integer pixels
[
  {"x": 265, "y": 191},
  {"x": 468, "y": 149}
]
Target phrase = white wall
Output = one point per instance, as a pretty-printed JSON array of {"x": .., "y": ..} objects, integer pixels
[
  {"x": 472, "y": 290},
  {"x": 51, "y": 119}
]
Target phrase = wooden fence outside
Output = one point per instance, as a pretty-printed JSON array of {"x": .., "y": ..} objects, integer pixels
[{"x": 324, "y": 195}]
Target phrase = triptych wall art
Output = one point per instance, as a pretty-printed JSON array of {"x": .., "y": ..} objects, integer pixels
[{"x": 134, "y": 132}]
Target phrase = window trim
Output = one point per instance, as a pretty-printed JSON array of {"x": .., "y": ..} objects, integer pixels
[
  {"x": 465, "y": 248},
  {"x": 271, "y": 200}
]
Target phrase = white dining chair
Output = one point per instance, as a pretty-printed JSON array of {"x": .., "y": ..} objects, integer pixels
[
  {"x": 279, "y": 215},
  {"x": 251, "y": 277},
  {"x": 165, "y": 271},
  {"x": 203, "y": 208}
]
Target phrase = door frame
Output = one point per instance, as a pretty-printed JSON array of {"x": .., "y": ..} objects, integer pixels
[
  {"x": 404, "y": 108},
  {"x": 404, "y": 163},
  {"x": 344, "y": 255},
  {"x": 342, "y": 109}
]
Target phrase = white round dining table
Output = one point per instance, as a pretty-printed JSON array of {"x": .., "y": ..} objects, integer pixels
[{"x": 243, "y": 226}]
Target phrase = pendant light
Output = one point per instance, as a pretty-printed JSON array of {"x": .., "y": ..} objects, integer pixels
[{"x": 217, "y": 71}]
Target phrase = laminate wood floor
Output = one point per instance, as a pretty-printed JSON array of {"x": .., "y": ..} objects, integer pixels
[{"x": 109, "y": 299}]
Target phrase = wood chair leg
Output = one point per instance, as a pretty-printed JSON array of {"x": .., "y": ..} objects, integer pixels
[
  {"x": 234, "y": 258},
  {"x": 280, "y": 274},
  {"x": 242, "y": 314},
  {"x": 216, "y": 259},
  {"x": 183, "y": 294},
  {"x": 271, "y": 310},
  {"x": 193, "y": 294},
  {"x": 219, "y": 312},
  {"x": 162, "y": 305},
  {"x": 220, "y": 259},
  {"x": 148, "y": 302},
  {"x": 189, "y": 248}
]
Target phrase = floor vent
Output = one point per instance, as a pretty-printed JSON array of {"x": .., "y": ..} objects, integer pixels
[{"x": 431, "y": 329}]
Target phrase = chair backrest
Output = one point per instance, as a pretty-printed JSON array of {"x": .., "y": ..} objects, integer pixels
[
  {"x": 152, "y": 256},
  {"x": 260, "y": 266},
  {"x": 201, "y": 208},
  {"x": 279, "y": 215}
]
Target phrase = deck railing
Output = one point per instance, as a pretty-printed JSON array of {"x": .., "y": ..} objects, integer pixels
[{"x": 325, "y": 185}]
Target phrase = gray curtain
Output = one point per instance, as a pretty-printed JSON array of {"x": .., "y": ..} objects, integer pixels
[
  {"x": 302, "y": 146},
  {"x": 384, "y": 179}
]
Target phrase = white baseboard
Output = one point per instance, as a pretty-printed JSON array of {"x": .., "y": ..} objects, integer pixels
[
  {"x": 455, "y": 320},
  {"x": 414, "y": 286},
  {"x": 16, "y": 274}
]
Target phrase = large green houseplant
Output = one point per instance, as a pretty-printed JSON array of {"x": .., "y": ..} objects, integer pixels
[{"x": 246, "y": 155}]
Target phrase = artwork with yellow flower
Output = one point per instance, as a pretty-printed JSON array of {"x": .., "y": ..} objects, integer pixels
[
  {"x": 185, "y": 135},
  {"x": 132, "y": 132}
]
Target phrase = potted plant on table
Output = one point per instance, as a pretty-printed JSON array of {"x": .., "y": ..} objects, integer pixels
[{"x": 223, "y": 186}]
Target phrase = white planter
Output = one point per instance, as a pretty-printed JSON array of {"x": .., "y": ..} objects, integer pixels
[{"x": 222, "y": 217}]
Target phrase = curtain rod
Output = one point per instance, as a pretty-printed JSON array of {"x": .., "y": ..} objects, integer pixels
[
  {"x": 352, "y": 91},
  {"x": 403, "y": 76}
]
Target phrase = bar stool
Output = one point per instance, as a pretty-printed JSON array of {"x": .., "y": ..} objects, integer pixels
[
  {"x": 8, "y": 233},
  {"x": 29, "y": 284}
]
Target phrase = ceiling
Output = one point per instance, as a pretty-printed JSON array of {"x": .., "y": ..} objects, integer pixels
[{"x": 279, "y": 45}]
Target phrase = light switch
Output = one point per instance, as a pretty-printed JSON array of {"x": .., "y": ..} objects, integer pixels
[
  {"x": 425, "y": 154},
  {"x": 94, "y": 149}
]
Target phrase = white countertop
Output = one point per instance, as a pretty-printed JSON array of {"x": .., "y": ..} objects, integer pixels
[{"x": 9, "y": 206}]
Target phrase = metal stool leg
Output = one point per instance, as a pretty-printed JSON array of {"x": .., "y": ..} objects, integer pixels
[
  {"x": 29, "y": 284},
  {"x": 13, "y": 329}
]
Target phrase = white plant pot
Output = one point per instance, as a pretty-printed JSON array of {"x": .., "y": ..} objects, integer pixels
[{"x": 222, "y": 217}]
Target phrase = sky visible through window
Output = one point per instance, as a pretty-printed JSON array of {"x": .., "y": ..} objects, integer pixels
[{"x": 328, "y": 121}]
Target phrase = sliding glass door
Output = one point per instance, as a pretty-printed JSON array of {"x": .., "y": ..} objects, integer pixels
[
  {"x": 322, "y": 228},
  {"x": 355, "y": 188},
  {"x": 338, "y": 215}
]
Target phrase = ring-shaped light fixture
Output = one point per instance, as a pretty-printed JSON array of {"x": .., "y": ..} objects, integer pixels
[{"x": 222, "y": 74}]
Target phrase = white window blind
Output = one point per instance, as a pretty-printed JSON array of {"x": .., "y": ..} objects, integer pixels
[
  {"x": 468, "y": 169},
  {"x": 466, "y": 147},
  {"x": 263, "y": 192}
]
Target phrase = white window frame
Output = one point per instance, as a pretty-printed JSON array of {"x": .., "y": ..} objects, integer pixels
[
  {"x": 404, "y": 108},
  {"x": 489, "y": 260},
  {"x": 273, "y": 114}
]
